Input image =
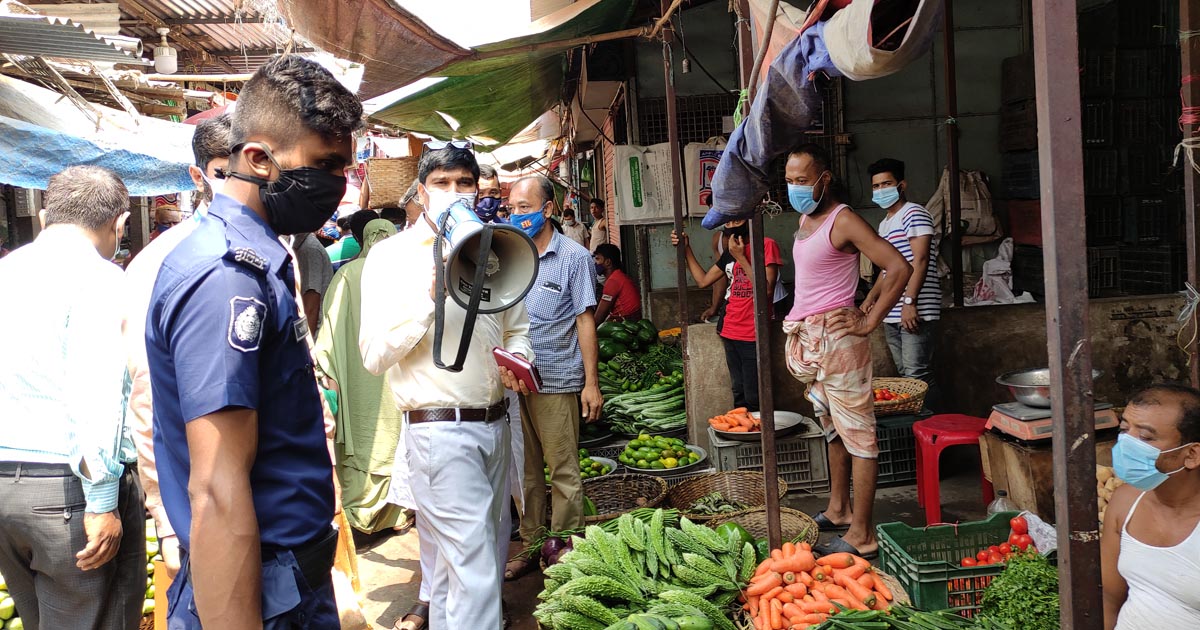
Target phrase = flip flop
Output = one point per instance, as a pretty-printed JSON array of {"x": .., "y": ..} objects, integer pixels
[
  {"x": 838, "y": 545},
  {"x": 520, "y": 567},
  {"x": 826, "y": 525},
  {"x": 420, "y": 610}
]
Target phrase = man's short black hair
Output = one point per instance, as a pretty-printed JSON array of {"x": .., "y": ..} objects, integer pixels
[
  {"x": 568, "y": 212},
  {"x": 450, "y": 158},
  {"x": 289, "y": 94},
  {"x": 819, "y": 155},
  {"x": 395, "y": 215},
  {"x": 212, "y": 139},
  {"x": 887, "y": 165},
  {"x": 359, "y": 221},
  {"x": 611, "y": 252},
  {"x": 486, "y": 171},
  {"x": 1189, "y": 406},
  {"x": 87, "y": 196},
  {"x": 598, "y": 202}
]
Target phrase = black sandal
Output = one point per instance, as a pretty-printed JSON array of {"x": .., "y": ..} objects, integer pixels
[{"x": 420, "y": 610}]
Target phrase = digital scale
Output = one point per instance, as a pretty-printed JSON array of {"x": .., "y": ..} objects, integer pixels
[{"x": 1033, "y": 423}]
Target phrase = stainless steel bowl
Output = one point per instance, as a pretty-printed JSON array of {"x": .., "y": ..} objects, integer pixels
[{"x": 1032, "y": 387}]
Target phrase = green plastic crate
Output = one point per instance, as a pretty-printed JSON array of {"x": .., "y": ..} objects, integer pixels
[{"x": 927, "y": 561}]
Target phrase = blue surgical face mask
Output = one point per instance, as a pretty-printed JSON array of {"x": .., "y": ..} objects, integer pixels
[
  {"x": 801, "y": 198},
  {"x": 1134, "y": 462},
  {"x": 531, "y": 222},
  {"x": 886, "y": 197}
]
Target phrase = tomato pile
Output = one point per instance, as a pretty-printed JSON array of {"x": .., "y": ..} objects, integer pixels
[
  {"x": 1018, "y": 540},
  {"x": 884, "y": 394}
]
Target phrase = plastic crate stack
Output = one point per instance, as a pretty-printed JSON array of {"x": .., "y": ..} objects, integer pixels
[{"x": 1129, "y": 85}]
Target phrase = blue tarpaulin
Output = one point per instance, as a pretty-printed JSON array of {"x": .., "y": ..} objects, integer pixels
[{"x": 42, "y": 133}]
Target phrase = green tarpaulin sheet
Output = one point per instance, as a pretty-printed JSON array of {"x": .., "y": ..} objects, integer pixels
[{"x": 497, "y": 98}]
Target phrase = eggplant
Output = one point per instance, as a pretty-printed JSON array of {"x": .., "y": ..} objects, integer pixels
[{"x": 552, "y": 549}]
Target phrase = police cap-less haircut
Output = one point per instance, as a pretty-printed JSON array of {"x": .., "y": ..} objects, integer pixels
[
  {"x": 358, "y": 223},
  {"x": 212, "y": 140},
  {"x": 487, "y": 172},
  {"x": 598, "y": 202},
  {"x": 87, "y": 196},
  {"x": 450, "y": 158},
  {"x": 291, "y": 94},
  {"x": 544, "y": 186},
  {"x": 1188, "y": 400}
]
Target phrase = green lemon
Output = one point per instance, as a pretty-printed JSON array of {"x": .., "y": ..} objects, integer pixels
[
  {"x": 657, "y": 465},
  {"x": 641, "y": 463}
]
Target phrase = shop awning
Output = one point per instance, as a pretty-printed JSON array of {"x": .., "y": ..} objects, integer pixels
[
  {"x": 395, "y": 47},
  {"x": 41, "y": 133},
  {"x": 494, "y": 96},
  {"x": 41, "y": 36}
]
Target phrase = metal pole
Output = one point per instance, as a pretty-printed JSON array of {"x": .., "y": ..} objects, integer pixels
[
  {"x": 676, "y": 183},
  {"x": 1189, "y": 48},
  {"x": 1060, "y": 152},
  {"x": 956, "y": 266},
  {"x": 762, "y": 302}
]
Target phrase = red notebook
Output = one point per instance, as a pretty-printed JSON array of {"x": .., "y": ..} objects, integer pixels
[{"x": 524, "y": 370}]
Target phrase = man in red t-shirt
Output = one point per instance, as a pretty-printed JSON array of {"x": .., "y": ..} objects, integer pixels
[
  {"x": 620, "y": 299},
  {"x": 736, "y": 327}
]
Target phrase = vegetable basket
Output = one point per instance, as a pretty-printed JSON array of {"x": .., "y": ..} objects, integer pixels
[
  {"x": 615, "y": 495},
  {"x": 147, "y": 622},
  {"x": 793, "y": 525},
  {"x": 743, "y": 487},
  {"x": 388, "y": 179},
  {"x": 926, "y": 561},
  {"x": 914, "y": 388}
]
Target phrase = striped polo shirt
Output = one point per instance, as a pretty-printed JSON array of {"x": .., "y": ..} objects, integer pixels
[{"x": 912, "y": 221}]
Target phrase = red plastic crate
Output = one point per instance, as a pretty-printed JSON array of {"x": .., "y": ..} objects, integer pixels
[{"x": 1025, "y": 221}]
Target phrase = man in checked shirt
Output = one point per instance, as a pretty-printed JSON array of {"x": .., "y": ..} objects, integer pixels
[{"x": 562, "y": 328}]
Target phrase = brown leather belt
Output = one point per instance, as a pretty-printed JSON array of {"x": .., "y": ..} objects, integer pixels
[{"x": 497, "y": 411}]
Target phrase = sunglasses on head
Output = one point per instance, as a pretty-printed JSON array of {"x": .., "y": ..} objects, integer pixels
[{"x": 438, "y": 145}]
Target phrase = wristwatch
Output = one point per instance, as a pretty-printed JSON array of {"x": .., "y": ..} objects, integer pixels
[{"x": 907, "y": 300}]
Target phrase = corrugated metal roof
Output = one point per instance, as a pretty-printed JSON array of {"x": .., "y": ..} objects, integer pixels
[{"x": 41, "y": 36}]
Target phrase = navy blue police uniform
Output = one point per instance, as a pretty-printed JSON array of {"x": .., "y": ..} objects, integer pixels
[{"x": 223, "y": 331}]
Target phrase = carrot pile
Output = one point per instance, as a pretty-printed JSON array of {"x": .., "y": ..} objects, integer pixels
[
  {"x": 793, "y": 590},
  {"x": 736, "y": 420}
]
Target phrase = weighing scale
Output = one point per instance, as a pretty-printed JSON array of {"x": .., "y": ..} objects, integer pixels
[{"x": 1033, "y": 423}]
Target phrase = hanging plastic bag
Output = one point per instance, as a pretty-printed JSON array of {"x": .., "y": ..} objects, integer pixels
[{"x": 977, "y": 216}]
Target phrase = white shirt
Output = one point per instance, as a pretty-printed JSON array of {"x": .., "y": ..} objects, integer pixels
[
  {"x": 396, "y": 330},
  {"x": 599, "y": 236},
  {"x": 139, "y": 284},
  {"x": 577, "y": 232},
  {"x": 62, "y": 372}
]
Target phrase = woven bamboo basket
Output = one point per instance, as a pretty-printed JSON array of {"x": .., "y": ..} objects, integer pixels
[
  {"x": 793, "y": 525},
  {"x": 745, "y": 487},
  {"x": 615, "y": 495},
  {"x": 147, "y": 622},
  {"x": 388, "y": 179},
  {"x": 911, "y": 386}
]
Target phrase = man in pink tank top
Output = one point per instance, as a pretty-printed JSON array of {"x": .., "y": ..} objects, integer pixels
[{"x": 827, "y": 346}]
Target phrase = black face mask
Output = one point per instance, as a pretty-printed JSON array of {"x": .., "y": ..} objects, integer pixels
[
  {"x": 300, "y": 200},
  {"x": 742, "y": 231}
]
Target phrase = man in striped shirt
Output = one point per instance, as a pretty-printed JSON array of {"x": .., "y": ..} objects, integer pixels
[{"x": 911, "y": 325}]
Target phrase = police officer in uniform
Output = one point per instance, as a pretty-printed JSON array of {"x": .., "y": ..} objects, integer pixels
[{"x": 244, "y": 471}]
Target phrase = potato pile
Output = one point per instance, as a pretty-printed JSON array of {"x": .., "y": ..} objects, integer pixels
[{"x": 1106, "y": 483}]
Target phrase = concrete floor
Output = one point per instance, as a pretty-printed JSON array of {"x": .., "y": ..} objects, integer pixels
[{"x": 389, "y": 572}]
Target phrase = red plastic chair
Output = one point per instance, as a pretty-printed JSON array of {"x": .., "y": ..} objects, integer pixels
[{"x": 933, "y": 435}]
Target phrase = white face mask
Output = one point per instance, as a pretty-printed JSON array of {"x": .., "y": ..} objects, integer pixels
[
  {"x": 440, "y": 200},
  {"x": 216, "y": 185},
  {"x": 117, "y": 247},
  {"x": 568, "y": 221}
]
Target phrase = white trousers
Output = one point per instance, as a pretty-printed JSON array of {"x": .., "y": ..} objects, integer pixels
[{"x": 459, "y": 480}]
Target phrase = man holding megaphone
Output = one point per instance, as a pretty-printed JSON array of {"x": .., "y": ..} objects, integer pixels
[{"x": 456, "y": 425}]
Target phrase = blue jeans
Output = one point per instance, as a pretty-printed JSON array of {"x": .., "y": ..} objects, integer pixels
[
  {"x": 913, "y": 353},
  {"x": 288, "y": 602}
]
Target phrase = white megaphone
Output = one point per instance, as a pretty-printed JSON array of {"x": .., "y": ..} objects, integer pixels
[{"x": 490, "y": 268}]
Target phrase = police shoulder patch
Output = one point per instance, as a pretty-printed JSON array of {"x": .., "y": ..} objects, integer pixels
[
  {"x": 246, "y": 316},
  {"x": 250, "y": 258}
]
